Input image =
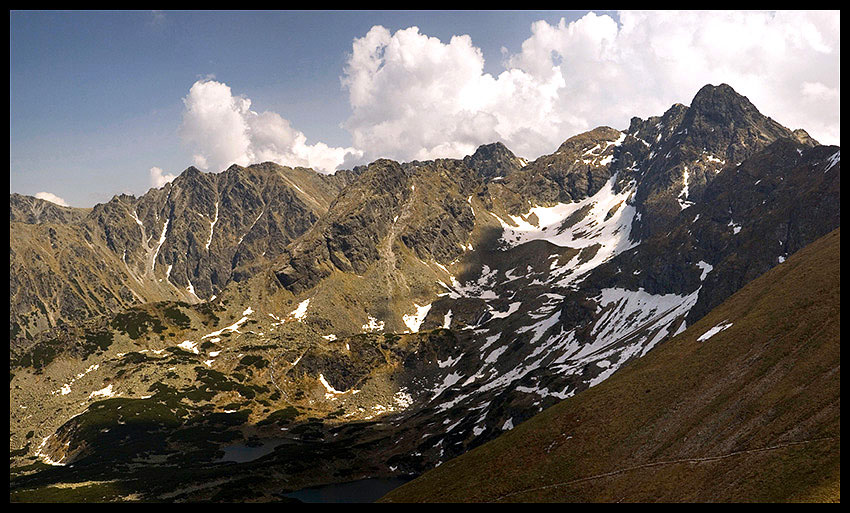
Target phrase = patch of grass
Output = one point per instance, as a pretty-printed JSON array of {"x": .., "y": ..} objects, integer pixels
[
  {"x": 177, "y": 317},
  {"x": 254, "y": 360},
  {"x": 96, "y": 492},
  {"x": 214, "y": 382},
  {"x": 99, "y": 340},
  {"x": 280, "y": 417},
  {"x": 40, "y": 355},
  {"x": 133, "y": 358},
  {"x": 136, "y": 323}
]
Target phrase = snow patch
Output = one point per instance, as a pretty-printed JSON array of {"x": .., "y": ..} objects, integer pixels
[
  {"x": 413, "y": 321},
  {"x": 735, "y": 227},
  {"x": 331, "y": 392},
  {"x": 706, "y": 268},
  {"x": 212, "y": 227},
  {"x": 233, "y": 327},
  {"x": 188, "y": 345},
  {"x": 607, "y": 223},
  {"x": 103, "y": 392},
  {"x": 447, "y": 320},
  {"x": 373, "y": 325},
  {"x": 301, "y": 311},
  {"x": 683, "y": 196},
  {"x": 402, "y": 399},
  {"x": 833, "y": 160},
  {"x": 512, "y": 308},
  {"x": 159, "y": 245},
  {"x": 714, "y": 331}
]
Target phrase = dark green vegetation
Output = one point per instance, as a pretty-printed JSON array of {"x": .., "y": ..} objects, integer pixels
[
  {"x": 171, "y": 443},
  {"x": 48, "y": 348},
  {"x": 96, "y": 336},
  {"x": 753, "y": 413}
]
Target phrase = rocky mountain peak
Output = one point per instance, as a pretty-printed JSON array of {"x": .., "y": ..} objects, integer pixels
[
  {"x": 728, "y": 124},
  {"x": 30, "y": 210},
  {"x": 804, "y": 138},
  {"x": 190, "y": 175},
  {"x": 580, "y": 141},
  {"x": 493, "y": 160},
  {"x": 720, "y": 97}
]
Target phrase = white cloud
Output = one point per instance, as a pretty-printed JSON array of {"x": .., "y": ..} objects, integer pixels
[
  {"x": 49, "y": 196},
  {"x": 222, "y": 130},
  {"x": 415, "y": 97},
  {"x": 159, "y": 178},
  {"x": 654, "y": 59}
]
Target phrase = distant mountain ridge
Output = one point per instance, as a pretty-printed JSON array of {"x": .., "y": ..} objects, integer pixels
[{"x": 184, "y": 241}]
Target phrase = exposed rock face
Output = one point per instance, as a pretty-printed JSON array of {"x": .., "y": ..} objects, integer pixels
[
  {"x": 29, "y": 210},
  {"x": 578, "y": 169},
  {"x": 184, "y": 241},
  {"x": 423, "y": 205},
  {"x": 493, "y": 161},
  {"x": 389, "y": 233},
  {"x": 751, "y": 217},
  {"x": 347, "y": 238},
  {"x": 686, "y": 147}
]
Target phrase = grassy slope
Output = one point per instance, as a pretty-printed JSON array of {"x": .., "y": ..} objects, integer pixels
[{"x": 761, "y": 400}]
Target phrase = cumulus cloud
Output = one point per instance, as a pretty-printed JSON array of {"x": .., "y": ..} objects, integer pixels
[
  {"x": 415, "y": 97},
  {"x": 653, "y": 59},
  {"x": 49, "y": 196},
  {"x": 159, "y": 177},
  {"x": 222, "y": 130}
]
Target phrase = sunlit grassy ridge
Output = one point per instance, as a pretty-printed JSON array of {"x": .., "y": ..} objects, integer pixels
[{"x": 752, "y": 413}]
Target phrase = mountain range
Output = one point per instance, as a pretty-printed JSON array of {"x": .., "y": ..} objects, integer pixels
[{"x": 384, "y": 320}]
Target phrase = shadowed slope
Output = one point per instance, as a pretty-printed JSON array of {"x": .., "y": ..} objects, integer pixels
[{"x": 745, "y": 405}]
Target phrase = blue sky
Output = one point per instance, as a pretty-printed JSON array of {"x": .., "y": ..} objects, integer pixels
[
  {"x": 99, "y": 98},
  {"x": 96, "y": 97}
]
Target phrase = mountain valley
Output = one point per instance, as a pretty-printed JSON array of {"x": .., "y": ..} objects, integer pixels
[{"x": 237, "y": 336}]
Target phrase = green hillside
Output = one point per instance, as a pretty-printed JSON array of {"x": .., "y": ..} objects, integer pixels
[{"x": 752, "y": 413}]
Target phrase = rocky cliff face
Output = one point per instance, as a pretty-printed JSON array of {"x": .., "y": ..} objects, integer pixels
[
  {"x": 417, "y": 309},
  {"x": 185, "y": 241},
  {"x": 29, "y": 210},
  {"x": 493, "y": 161},
  {"x": 686, "y": 147}
]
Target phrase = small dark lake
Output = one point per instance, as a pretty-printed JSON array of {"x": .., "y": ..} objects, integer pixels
[{"x": 364, "y": 490}]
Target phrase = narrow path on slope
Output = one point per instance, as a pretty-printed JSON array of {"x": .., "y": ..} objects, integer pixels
[{"x": 669, "y": 462}]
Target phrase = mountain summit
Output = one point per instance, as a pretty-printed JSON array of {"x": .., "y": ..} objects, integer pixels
[{"x": 494, "y": 161}]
